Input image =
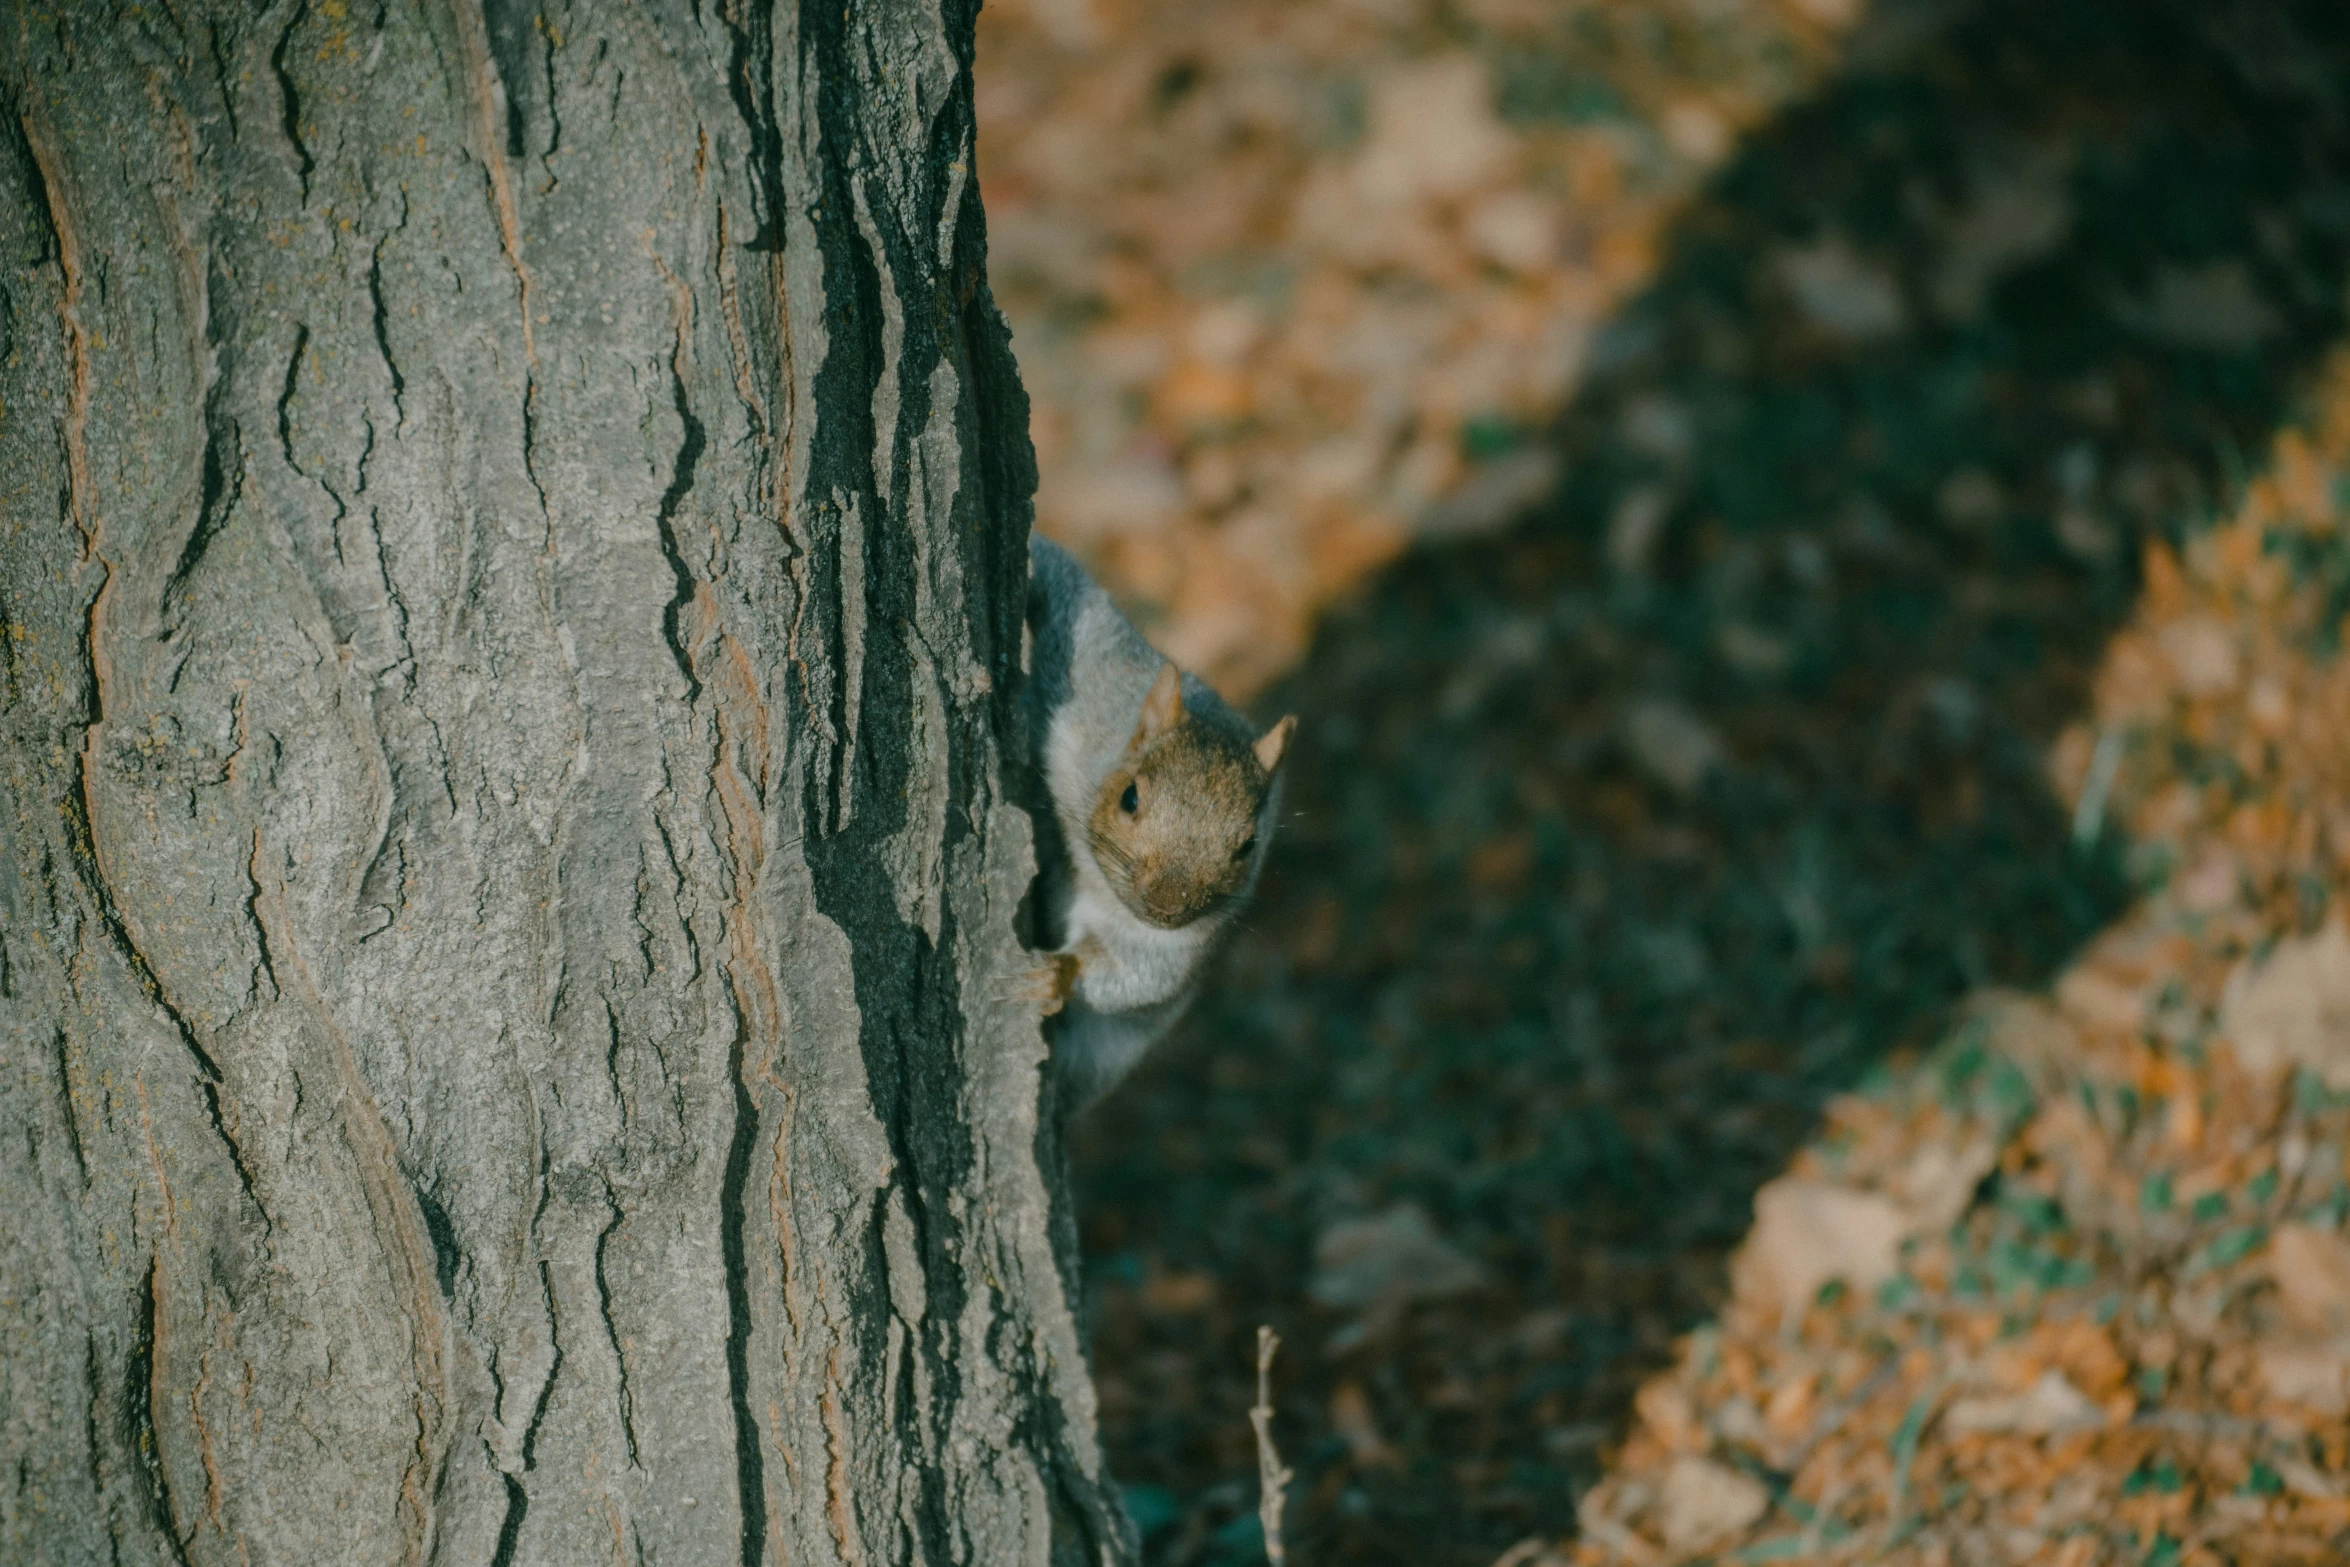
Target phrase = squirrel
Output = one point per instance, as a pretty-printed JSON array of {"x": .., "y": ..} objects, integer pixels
[{"x": 1164, "y": 799}]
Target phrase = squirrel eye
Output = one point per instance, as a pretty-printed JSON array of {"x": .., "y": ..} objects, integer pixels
[
  {"x": 1247, "y": 846},
  {"x": 1129, "y": 800}
]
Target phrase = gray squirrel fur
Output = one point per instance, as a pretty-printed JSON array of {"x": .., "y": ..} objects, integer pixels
[{"x": 1131, "y": 934}]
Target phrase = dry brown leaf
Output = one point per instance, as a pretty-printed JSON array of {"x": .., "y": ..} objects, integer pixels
[
  {"x": 1808, "y": 1232},
  {"x": 2051, "y": 1406},
  {"x": 2293, "y": 1009},
  {"x": 1702, "y": 1503},
  {"x": 2311, "y": 1267},
  {"x": 1391, "y": 1257}
]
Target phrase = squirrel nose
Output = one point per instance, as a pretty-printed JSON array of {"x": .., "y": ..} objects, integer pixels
[{"x": 1167, "y": 895}]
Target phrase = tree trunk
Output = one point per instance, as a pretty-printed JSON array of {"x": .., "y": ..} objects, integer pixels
[{"x": 511, "y": 550}]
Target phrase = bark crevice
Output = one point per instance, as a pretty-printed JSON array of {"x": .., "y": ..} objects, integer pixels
[
  {"x": 43, "y": 209},
  {"x": 510, "y": 1526},
  {"x": 612, "y": 1329},
  {"x": 223, "y": 469},
  {"x": 65, "y": 235},
  {"x": 92, "y": 875},
  {"x": 289, "y": 99},
  {"x": 681, "y": 481},
  {"x": 375, "y": 296},
  {"x": 750, "y": 1468},
  {"x": 65, "y": 1107},
  {"x": 138, "y": 1413}
]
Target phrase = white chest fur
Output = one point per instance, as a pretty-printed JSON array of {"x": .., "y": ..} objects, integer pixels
[{"x": 1129, "y": 963}]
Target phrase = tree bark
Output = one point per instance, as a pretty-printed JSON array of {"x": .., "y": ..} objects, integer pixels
[{"x": 511, "y": 548}]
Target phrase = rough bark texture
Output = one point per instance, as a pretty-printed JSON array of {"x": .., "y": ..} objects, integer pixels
[{"x": 511, "y": 534}]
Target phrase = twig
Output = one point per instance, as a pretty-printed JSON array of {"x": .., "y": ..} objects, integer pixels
[
  {"x": 1906, "y": 1437},
  {"x": 1842, "y": 1410},
  {"x": 2190, "y": 1422},
  {"x": 1272, "y": 1479},
  {"x": 1832, "y": 1493},
  {"x": 2089, "y": 814}
]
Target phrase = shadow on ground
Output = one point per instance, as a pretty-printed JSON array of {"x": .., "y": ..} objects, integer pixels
[{"x": 1623, "y": 840}]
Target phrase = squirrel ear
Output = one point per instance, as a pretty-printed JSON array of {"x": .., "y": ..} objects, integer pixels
[
  {"x": 1164, "y": 705},
  {"x": 1273, "y": 744}
]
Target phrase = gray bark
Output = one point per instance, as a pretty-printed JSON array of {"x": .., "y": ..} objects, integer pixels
[{"x": 511, "y": 543}]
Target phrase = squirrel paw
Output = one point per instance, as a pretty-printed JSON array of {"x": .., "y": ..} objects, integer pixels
[{"x": 1051, "y": 982}]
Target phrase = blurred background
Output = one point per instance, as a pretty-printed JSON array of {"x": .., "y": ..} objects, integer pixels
[{"x": 1794, "y": 528}]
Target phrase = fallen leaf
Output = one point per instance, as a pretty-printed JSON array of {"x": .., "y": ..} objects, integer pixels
[
  {"x": 2202, "y": 654},
  {"x": 1665, "y": 1410},
  {"x": 1672, "y": 744},
  {"x": 1178, "y": 1294},
  {"x": 1351, "y": 1417},
  {"x": 1753, "y": 651},
  {"x": 1516, "y": 230},
  {"x": 2090, "y": 995},
  {"x": 1738, "y": 1422},
  {"x": 1601, "y": 1512},
  {"x": 2211, "y": 885},
  {"x": 1636, "y": 527},
  {"x": 1433, "y": 133},
  {"x": 1388, "y": 1259},
  {"x": 2216, "y": 307},
  {"x": 2314, "y": 1373},
  {"x": 1807, "y": 1232},
  {"x": 1696, "y": 132},
  {"x": 1939, "y": 1182},
  {"x": 2294, "y": 1009},
  {"x": 1702, "y": 1502},
  {"x": 1843, "y": 294},
  {"x": 1971, "y": 498},
  {"x": 2051, "y": 1406},
  {"x": 2311, "y": 1267},
  {"x": 1535, "y": 1552},
  {"x": 2016, "y": 216},
  {"x": 1789, "y": 1411},
  {"x": 2304, "y": 1478},
  {"x": 1493, "y": 496}
]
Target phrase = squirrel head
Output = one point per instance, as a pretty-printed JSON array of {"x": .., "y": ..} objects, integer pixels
[{"x": 1174, "y": 828}]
